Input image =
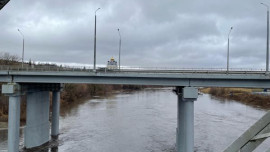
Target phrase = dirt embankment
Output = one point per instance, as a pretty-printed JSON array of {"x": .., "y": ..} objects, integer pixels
[{"x": 246, "y": 96}]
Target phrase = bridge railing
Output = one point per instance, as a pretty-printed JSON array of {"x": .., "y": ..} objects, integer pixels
[
  {"x": 41, "y": 68},
  {"x": 191, "y": 69}
]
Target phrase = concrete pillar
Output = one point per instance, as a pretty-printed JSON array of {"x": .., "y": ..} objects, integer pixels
[
  {"x": 37, "y": 128},
  {"x": 185, "y": 119},
  {"x": 13, "y": 90},
  {"x": 14, "y": 123},
  {"x": 55, "y": 114}
]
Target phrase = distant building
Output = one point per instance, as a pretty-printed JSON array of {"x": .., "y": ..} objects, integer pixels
[{"x": 112, "y": 64}]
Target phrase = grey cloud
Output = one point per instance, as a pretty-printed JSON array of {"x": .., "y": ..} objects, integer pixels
[{"x": 169, "y": 33}]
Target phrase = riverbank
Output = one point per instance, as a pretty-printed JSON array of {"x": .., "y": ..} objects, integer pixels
[{"x": 243, "y": 95}]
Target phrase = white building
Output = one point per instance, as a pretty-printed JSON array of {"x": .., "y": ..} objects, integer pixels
[{"x": 112, "y": 64}]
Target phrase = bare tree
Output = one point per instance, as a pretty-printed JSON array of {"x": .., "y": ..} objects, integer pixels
[{"x": 7, "y": 59}]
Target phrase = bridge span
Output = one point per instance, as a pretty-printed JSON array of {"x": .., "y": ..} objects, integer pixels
[
  {"x": 250, "y": 79},
  {"x": 36, "y": 85}
]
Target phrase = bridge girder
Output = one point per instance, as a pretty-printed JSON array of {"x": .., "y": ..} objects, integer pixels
[{"x": 185, "y": 80}]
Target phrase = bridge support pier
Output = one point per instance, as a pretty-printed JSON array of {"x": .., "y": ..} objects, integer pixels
[
  {"x": 185, "y": 118},
  {"x": 37, "y": 128},
  {"x": 55, "y": 114},
  {"x": 13, "y": 91},
  {"x": 14, "y": 123}
]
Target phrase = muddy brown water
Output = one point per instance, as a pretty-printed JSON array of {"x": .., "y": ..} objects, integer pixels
[{"x": 145, "y": 121}]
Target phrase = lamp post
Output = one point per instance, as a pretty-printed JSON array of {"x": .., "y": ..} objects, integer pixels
[
  {"x": 95, "y": 40},
  {"x": 228, "y": 51},
  {"x": 267, "y": 43},
  {"x": 23, "y": 47},
  {"x": 119, "y": 46}
]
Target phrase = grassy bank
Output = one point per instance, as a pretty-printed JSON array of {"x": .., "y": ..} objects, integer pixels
[{"x": 242, "y": 95}]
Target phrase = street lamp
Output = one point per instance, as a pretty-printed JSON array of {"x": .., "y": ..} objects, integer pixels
[
  {"x": 119, "y": 46},
  {"x": 267, "y": 43},
  {"x": 23, "y": 46},
  {"x": 95, "y": 39},
  {"x": 228, "y": 52}
]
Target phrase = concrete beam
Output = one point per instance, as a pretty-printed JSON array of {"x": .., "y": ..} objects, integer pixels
[
  {"x": 34, "y": 87},
  {"x": 190, "y": 79},
  {"x": 11, "y": 89},
  {"x": 190, "y": 93}
]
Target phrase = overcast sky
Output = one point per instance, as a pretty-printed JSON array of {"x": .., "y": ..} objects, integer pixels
[{"x": 155, "y": 33}]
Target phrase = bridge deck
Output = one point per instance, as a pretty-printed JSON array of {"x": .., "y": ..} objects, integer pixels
[{"x": 251, "y": 79}]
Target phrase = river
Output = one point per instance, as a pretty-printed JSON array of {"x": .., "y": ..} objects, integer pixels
[{"x": 145, "y": 121}]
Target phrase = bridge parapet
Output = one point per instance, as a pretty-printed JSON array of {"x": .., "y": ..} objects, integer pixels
[{"x": 55, "y": 68}]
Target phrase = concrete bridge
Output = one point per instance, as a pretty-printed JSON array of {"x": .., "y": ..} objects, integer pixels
[{"x": 36, "y": 85}]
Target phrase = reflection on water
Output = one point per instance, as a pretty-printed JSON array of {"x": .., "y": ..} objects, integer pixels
[{"x": 145, "y": 121}]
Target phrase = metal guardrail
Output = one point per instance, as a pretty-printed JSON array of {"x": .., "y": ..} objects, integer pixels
[
  {"x": 41, "y": 68},
  {"x": 192, "y": 69}
]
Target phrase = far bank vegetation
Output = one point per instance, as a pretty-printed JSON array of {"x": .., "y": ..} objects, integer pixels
[{"x": 244, "y": 95}]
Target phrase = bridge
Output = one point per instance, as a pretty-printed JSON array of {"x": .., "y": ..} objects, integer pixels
[
  {"x": 36, "y": 83},
  {"x": 187, "y": 78}
]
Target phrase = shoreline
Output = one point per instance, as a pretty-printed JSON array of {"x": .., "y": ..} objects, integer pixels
[{"x": 244, "y": 95}]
